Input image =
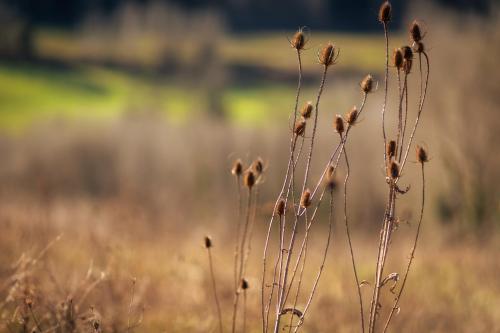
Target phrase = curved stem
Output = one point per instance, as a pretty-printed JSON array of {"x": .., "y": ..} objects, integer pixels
[{"x": 214, "y": 287}]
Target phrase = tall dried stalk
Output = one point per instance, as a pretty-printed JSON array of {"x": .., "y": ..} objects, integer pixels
[{"x": 208, "y": 246}]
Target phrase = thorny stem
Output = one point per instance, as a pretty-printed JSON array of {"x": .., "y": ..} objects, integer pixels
[
  {"x": 350, "y": 243},
  {"x": 130, "y": 305},
  {"x": 399, "y": 140},
  {"x": 250, "y": 233},
  {"x": 37, "y": 323},
  {"x": 290, "y": 160},
  {"x": 405, "y": 120},
  {"x": 214, "y": 287},
  {"x": 238, "y": 231},
  {"x": 244, "y": 311},
  {"x": 386, "y": 81},
  {"x": 412, "y": 255}
]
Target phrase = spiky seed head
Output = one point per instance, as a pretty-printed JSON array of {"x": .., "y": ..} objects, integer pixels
[
  {"x": 407, "y": 52},
  {"x": 415, "y": 31},
  {"x": 384, "y": 13},
  {"x": 258, "y": 166},
  {"x": 352, "y": 116},
  {"x": 307, "y": 110},
  {"x": 280, "y": 208},
  {"x": 407, "y": 64},
  {"x": 398, "y": 58},
  {"x": 339, "y": 124},
  {"x": 208, "y": 242},
  {"x": 305, "y": 199},
  {"x": 367, "y": 84},
  {"x": 418, "y": 47},
  {"x": 249, "y": 179},
  {"x": 298, "y": 40},
  {"x": 327, "y": 55},
  {"x": 300, "y": 127},
  {"x": 331, "y": 181},
  {"x": 244, "y": 284},
  {"x": 391, "y": 149},
  {"x": 422, "y": 155},
  {"x": 237, "y": 168},
  {"x": 394, "y": 170}
]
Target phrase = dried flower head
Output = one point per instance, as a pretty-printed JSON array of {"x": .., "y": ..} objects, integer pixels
[
  {"x": 352, "y": 116},
  {"x": 280, "y": 208},
  {"x": 298, "y": 40},
  {"x": 249, "y": 179},
  {"x": 237, "y": 168},
  {"x": 391, "y": 149},
  {"x": 331, "y": 181},
  {"x": 407, "y": 52},
  {"x": 327, "y": 55},
  {"x": 415, "y": 31},
  {"x": 418, "y": 47},
  {"x": 300, "y": 127},
  {"x": 394, "y": 170},
  {"x": 306, "y": 110},
  {"x": 258, "y": 166},
  {"x": 339, "y": 124},
  {"x": 305, "y": 199},
  {"x": 244, "y": 284},
  {"x": 367, "y": 84},
  {"x": 384, "y": 13},
  {"x": 208, "y": 242},
  {"x": 422, "y": 155},
  {"x": 398, "y": 58}
]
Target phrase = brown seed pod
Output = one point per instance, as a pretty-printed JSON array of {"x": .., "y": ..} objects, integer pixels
[
  {"x": 305, "y": 199},
  {"x": 407, "y": 52},
  {"x": 300, "y": 127},
  {"x": 208, "y": 242},
  {"x": 237, "y": 168},
  {"x": 331, "y": 181},
  {"x": 394, "y": 170},
  {"x": 391, "y": 149},
  {"x": 397, "y": 57},
  {"x": 339, "y": 124},
  {"x": 352, "y": 116},
  {"x": 367, "y": 84},
  {"x": 249, "y": 179},
  {"x": 258, "y": 166},
  {"x": 298, "y": 40},
  {"x": 280, "y": 208},
  {"x": 327, "y": 55},
  {"x": 307, "y": 110},
  {"x": 422, "y": 155},
  {"x": 244, "y": 284},
  {"x": 415, "y": 31},
  {"x": 418, "y": 47},
  {"x": 384, "y": 13},
  {"x": 407, "y": 64}
]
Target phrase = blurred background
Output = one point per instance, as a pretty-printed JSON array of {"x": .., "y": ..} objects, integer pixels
[{"x": 119, "y": 122}]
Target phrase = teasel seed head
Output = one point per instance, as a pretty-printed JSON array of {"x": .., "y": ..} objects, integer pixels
[
  {"x": 331, "y": 181},
  {"x": 422, "y": 155},
  {"x": 327, "y": 55},
  {"x": 415, "y": 31},
  {"x": 352, "y": 116},
  {"x": 298, "y": 40},
  {"x": 407, "y": 52},
  {"x": 339, "y": 124},
  {"x": 249, "y": 179},
  {"x": 305, "y": 199},
  {"x": 244, "y": 284},
  {"x": 237, "y": 168},
  {"x": 367, "y": 84},
  {"x": 300, "y": 127},
  {"x": 280, "y": 208},
  {"x": 208, "y": 242},
  {"x": 407, "y": 64},
  {"x": 394, "y": 170},
  {"x": 418, "y": 47},
  {"x": 384, "y": 13},
  {"x": 398, "y": 58},
  {"x": 391, "y": 149},
  {"x": 258, "y": 166},
  {"x": 306, "y": 110}
]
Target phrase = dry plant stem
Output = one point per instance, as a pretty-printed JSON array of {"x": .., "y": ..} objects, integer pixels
[
  {"x": 214, "y": 287},
  {"x": 242, "y": 247},
  {"x": 318, "y": 276},
  {"x": 130, "y": 306},
  {"x": 238, "y": 231},
  {"x": 420, "y": 108},
  {"x": 386, "y": 82},
  {"x": 405, "y": 121},
  {"x": 399, "y": 140},
  {"x": 348, "y": 233},
  {"x": 251, "y": 227},
  {"x": 294, "y": 230},
  {"x": 35, "y": 319},
  {"x": 244, "y": 311},
  {"x": 412, "y": 255},
  {"x": 293, "y": 141}
]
